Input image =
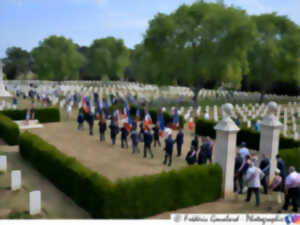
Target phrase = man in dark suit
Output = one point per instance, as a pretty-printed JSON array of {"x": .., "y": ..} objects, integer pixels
[
  {"x": 135, "y": 141},
  {"x": 102, "y": 128},
  {"x": 237, "y": 176},
  {"x": 265, "y": 168},
  {"x": 147, "y": 143},
  {"x": 156, "y": 135},
  {"x": 91, "y": 123},
  {"x": 281, "y": 167},
  {"x": 114, "y": 130},
  {"x": 169, "y": 150},
  {"x": 124, "y": 135},
  {"x": 179, "y": 141}
]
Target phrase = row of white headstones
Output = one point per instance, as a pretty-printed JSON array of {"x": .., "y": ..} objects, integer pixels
[{"x": 16, "y": 184}]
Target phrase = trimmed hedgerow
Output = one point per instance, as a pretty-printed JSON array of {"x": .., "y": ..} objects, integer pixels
[
  {"x": 136, "y": 197},
  {"x": 44, "y": 115},
  {"x": 252, "y": 137},
  {"x": 291, "y": 157},
  {"x": 9, "y": 131}
]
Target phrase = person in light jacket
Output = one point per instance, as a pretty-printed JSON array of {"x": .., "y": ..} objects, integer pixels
[{"x": 253, "y": 178}]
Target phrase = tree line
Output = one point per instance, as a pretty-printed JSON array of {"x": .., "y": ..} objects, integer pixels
[{"x": 203, "y": 45}]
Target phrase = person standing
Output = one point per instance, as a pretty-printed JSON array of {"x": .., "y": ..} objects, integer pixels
[
  {"x": 102, "y": 128},
  {"x": 253, "y": 177},
  {"x": 276, "y": 185},
  {"x": 265, "y": 167},
  {"x": 114, "y": 130},
  {"x": 244, "y": 151},
  {"x": 169, "y": 150},
  {"x": 156, "y": 135},
  {"x": 179, "y": 141},
  {"x": 124, "y": 135},
  {"x": 291, "y": 190},
  {"x": 147, "y": 143},
  {"x": 91, "y": 123},
  {"x": 238, "y": 176},
  {"x": 80, "y": 120},
  {"x": 191, "y": 157},
  {"x": 195, "y": 143},
  {"x": 281, "y": 167},
  {"x": 135, "y": 141}
]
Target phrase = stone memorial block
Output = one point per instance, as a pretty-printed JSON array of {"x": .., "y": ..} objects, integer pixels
[
  {"x": 35, "y": 203},
  {"x": 3, "y": 163},
  {"x": 16, "y": 180}
]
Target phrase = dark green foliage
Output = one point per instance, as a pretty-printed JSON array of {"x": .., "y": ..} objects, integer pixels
[
  {"x": 250, "y": 136},
  {"x": 87, "y": 188},
  {"x": 149, "y": 195},
  {"x": 136, "y": 197},
  {"x": 9, "y": 131},
  {"x": 205, "y": 128},
  {"x": 291, "y": 157},
  {"x": 44, "y": 115}
]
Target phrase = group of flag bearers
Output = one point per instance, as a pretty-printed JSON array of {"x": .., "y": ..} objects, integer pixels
[{"x": 138, "y": 129}]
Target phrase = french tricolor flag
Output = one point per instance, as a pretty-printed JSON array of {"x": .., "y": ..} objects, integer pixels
[{"x": 175, "y": 120}]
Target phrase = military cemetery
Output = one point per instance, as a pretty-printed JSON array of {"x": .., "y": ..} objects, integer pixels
[{"x": 194, "y": 119}]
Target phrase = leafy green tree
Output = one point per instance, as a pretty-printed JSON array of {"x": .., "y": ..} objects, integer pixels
[
  {"x": 200, "y": 43},
  {"x": 57, "y": 58},
  {"x": 17, "y": 62},
  {"x": 141, "y": 68},
  {"x": 107, "y": 57},
  {"x": 275, "y": 56}
]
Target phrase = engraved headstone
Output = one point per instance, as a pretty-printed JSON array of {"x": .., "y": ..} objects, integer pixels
[
  {"x": 16, "y": 180},
  {"x": 35, "y": 203},
  {"x": 3, "y": 163}
]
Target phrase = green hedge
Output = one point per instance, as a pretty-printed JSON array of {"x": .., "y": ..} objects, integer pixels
[
  {"x": 291, "y": 157},
  {"x": 9, "y": 131},
  {"x": 136, "y": 197},
  {"x": 44, "y": 115},
  {"x": 250, "y": 136}
]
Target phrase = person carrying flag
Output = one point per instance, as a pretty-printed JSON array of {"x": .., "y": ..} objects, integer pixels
[
  {"x": 124, "y": 135},
  {"x": 114, "y": 130},
  {"x": 175, "y": 120},
  {"x": 156, "y": 134}
]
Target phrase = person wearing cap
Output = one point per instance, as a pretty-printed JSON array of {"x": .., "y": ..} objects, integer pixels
[
  {"x": 276, "y": 185},
  {"x": 265, "y": 167},
  {"x": 147, "y": 143},
  {"x": 244, "y": 151},
  {"x": 291, "y": 190},
  {"x": 168, "y": 150},
  {"x": 253, "y": 177},
  {"x": 179, "y": 141}
]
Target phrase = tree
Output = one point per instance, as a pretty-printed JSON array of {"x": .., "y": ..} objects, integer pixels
[
  {"x": 107, "y": 57},
  {"x": 17, "y": 62},
  {"x": 200, "y": 43},
  {"x": 57, "y": 58},
  {"x": 275, "y": 56},
  {"x": 141, "y": 68}
]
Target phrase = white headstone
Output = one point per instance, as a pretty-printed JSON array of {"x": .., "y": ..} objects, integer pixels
[
  {"x": 3, "y": 163},
  {"x": 35, "y": 203},
  {"x": 16, "y": 180}
]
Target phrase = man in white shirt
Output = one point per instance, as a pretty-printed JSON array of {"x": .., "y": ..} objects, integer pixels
[
  {"x": 292, "y": 189},
  {"x": 253, "y": 177},
  {"x": 244, "y": 150}
]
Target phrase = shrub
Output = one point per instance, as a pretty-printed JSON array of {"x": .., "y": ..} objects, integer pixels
[
  {"x": 291, "y": 157},
  {"x": 135, "y": 197},
  {"x": 252, "y": 137},
  {"x": 9, "y": 130},
  {"x": 44, "y": 115}
]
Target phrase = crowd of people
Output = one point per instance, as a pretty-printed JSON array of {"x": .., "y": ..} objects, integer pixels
[
  {"x": 150, "y": 137},
  {"x": 250, "y": 175}
]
